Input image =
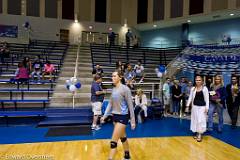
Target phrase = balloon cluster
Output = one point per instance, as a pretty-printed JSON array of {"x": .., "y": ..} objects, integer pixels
[
  {"x": 73, "y": 84},
  {"x": 160, "y": 71}
]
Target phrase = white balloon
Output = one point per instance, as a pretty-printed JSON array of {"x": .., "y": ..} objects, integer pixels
[
  {"x": 68, "y": 82},
  {"x": 72, "y": 88},
  {"x": 73, "y": 80},
  {"x": 159, "y": 74}
]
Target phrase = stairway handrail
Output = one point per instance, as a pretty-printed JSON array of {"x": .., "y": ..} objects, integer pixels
[
  {"x": 76, "y": 63},
  {"x": 75, "y": 72}
]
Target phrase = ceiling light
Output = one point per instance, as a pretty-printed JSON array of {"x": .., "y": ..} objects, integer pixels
[
  {"x": 231, "y": 14},
  {"x": 154, "y": 25},
  {"x": 189, "y": 21}
]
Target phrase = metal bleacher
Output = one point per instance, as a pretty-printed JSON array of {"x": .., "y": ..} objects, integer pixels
[{"x": 30, "y": 94}]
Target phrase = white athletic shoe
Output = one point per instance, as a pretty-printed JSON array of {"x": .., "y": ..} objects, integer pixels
[{"x": 95, "y": 128}]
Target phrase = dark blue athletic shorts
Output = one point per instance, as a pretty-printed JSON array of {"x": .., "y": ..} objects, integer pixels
[{"x": 121, "y": 118}]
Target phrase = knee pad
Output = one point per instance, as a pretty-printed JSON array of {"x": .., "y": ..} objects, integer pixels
[
  {"x": 113, "y": 144},
  {"x": 123, "y": 139}
]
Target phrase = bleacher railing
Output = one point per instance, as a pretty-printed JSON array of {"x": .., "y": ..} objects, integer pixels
[{"x": 158, "y": 55}]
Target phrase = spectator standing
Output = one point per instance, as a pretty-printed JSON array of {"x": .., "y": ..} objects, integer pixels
[
  {"x": 128, "y": 37},
  {"x": 233, "y": 100},
  {"x": 217, "y": 102},
  {"x": 97, "y": 97},
  {"x": 4, "y": 52},
  {"x": 166, "y": 96},
  {"x": 111, "y": 37},
  {"x": 176, "y": 97}
]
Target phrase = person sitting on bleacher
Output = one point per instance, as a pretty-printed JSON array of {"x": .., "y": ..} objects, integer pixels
[
  {"x": 21, "y": 74},
  {"x": 37, "y": 68},
  {"x": 141, "y": 102},
  {"x": 120, "y": 66},
  {"x": 139, "y": 70},
  {"x": 27, "y": 64},
  {"x": 129, "y": 76},
  {"x": 97, "y": 70},
  {"x": 48, "y": 70}
]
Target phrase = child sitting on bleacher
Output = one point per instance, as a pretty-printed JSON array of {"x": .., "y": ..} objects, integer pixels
[
  {"x": 48, "y": 70},
  {"x": 21, "y": 74},
  {"x": 139, "y": 70},
  {"x": 37, "y": 68},
  {"x": 97, "y": 70},
  {"x": 129, "y": 76}
]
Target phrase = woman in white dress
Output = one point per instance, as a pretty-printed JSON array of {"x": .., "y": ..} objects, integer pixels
[{"x": 199, "y": 98}]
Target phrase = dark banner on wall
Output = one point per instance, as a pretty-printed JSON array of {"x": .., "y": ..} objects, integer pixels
[{"x": 8, "y": 31}]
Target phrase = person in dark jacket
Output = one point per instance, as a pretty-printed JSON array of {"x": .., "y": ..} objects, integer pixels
[
  {"x": 233, "y": 99},
  {"x": 176, "y": 97}
]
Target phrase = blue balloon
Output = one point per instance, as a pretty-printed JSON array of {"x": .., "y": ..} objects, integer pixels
[
  {"x": 78, "y": 85},
  {"x": 162, "y": 68}
]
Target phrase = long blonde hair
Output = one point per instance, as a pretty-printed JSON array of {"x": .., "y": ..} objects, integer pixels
[
  {"x": 139, "y": 92},
  {"x": 218, "y": 76}
]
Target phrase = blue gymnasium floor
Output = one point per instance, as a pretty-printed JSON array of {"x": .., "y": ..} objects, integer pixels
[{"x": 166, "y": 127}]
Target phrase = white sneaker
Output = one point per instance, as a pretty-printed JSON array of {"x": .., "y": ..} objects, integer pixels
[{"x": 95, "y": 128}]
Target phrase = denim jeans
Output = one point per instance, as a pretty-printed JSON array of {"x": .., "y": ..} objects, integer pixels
[
  {"x": 219, "y": 109},
  {"x": 176, "y": 106}
]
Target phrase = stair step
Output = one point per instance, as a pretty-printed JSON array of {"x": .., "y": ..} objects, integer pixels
[
  {"x": 85, "y": 69},
  {"x": 69, "y": 105},
  {"x": 62, "y": 86},
  {"x": 61, "y": 96},
  {"x": 81, "y": 79},
  {"x": 65, "y": 122},
  {"x": 69, "y": 95},
  {"x": 67, "y": 100},
  {"x": 80, "y": 74}
]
